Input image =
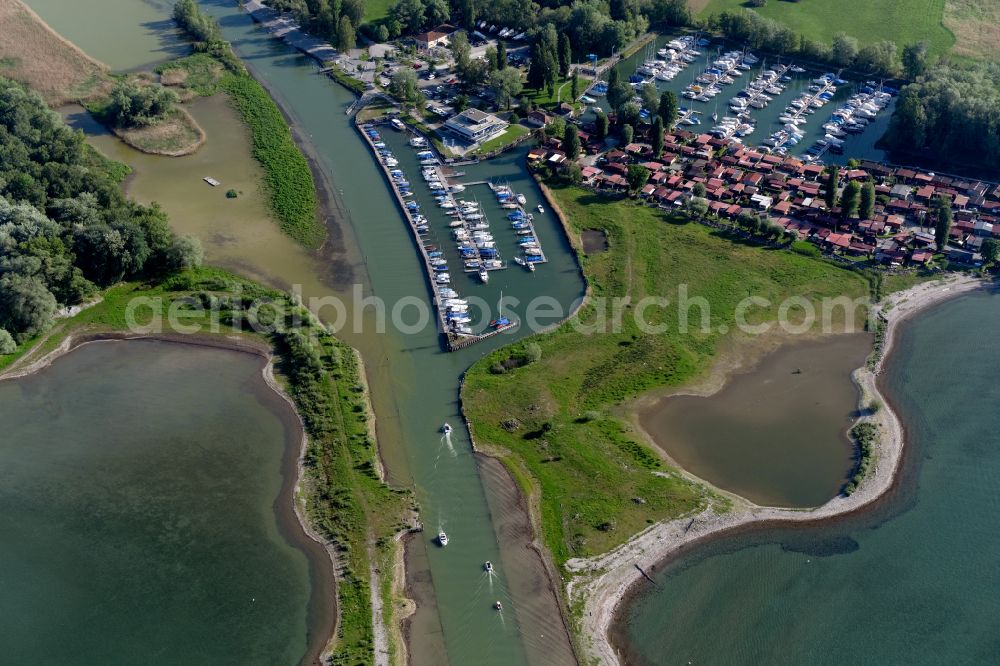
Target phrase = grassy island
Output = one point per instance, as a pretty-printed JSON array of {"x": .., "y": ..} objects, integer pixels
[{"x": 556, "y": 414}]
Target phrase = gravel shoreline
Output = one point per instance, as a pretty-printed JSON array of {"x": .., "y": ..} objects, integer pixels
[{"x": 600, "y": 583}]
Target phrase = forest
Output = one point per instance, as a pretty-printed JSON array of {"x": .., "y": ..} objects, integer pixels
[
  {"x": 66, "y": 229},
  {"x": 950, "y": 113}
]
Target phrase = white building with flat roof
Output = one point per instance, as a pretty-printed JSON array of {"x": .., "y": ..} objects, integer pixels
[{"x": 476, "y": 126}]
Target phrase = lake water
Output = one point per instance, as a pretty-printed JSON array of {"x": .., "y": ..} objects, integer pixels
[
  {"x": 141, "y": 518},
  {"x": 914, "y": 581},
  {"x": 776, "y": 435}
]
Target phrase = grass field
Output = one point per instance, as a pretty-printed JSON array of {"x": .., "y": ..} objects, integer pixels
[
  {"x": 513, "y": 133},
  {"x": 976, "y": 25},
  {"x": 377, "y": 9},
  {"x": 560, "y": 417},
  {"x": 902, "y": 21}
]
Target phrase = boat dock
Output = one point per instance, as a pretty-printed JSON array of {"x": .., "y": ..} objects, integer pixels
[
  {"x": 455, "y": 333},
  {"x": 521, "y": 221}
]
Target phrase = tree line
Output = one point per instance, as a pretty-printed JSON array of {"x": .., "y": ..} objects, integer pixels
[
  {"x": 951, "y": 113},
  {"x": 883, "y": 58},
  {"x": 334, "y": 20},
  {"x": 66, "y": 229}
]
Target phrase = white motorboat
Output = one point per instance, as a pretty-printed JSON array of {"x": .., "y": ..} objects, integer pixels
[
  {"x": 488, "y": 566},
  {"x": 442, "y": 538},
  {"x": 540, "y": 209}
]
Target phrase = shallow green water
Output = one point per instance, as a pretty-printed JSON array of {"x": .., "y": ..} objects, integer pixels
[
  {"x": 122, "y": 35},
  {"x": 915, "y": 581},
  {"x": 140, "y": 520},
  {"x": 776, "y": 435}
]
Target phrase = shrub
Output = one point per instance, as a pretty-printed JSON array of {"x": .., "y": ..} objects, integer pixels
[
  {"x": 231, "y": 194},
  {"x": 7, "y": 344}
]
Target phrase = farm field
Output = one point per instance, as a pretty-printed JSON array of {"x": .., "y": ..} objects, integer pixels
[{"x": 902, "y": 21}]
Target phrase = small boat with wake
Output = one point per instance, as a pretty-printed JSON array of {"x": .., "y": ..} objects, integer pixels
[
  {"x": 442, "y": 538},
  {"x": 446, "y": 429},
  {"x": 488, "y": 566}
]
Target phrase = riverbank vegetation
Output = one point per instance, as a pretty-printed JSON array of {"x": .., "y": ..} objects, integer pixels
[
  {"x": 288, "y": 178},
  {"x": 558, "y": 422},
  {"x": 865, "y": 436}
]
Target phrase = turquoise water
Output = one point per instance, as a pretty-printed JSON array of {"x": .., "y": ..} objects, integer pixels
[
  {"x": 915, "y": 581},
  {"x": 140, "y": 515}
]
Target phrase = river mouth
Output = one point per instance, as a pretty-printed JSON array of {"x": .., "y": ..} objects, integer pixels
[{"x": 775, "y": 435}]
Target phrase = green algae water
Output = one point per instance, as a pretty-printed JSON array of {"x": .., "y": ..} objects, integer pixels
[
  {"x": 913, "y": 581},
  {"x": 145, "y": 514},
  {"x": 122, "y": 35}
]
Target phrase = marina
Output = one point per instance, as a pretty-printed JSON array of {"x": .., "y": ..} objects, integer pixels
[{"x": 468, "y": 227}]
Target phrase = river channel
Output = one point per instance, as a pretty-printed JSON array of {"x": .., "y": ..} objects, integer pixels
[{"x": 415, "y": 384}]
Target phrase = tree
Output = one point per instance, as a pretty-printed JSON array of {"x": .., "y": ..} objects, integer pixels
[
  {"x": 7, "y": 344},
  {"x": 942, "y": 225},
  {"x": 461, "y": 103},
  {"x": 565, "y": 55},
  {"x": 627, "y": 132},
  {"x": 501, "y": 55},
  {"x": 345, "y": 34},
  {"x": 866, "y": 208},
  {"x": 574, "y": 85},
  {"x": 637, "y": 177},
  {"x": 849, "y": 200},
  {"x": 600, "y": 125},
  {"x": 409, "y": 14},
  {"x": 436, "y": 12},
  {"x": 618, "y": 92},
  {"x": 667, "y": 110},
  {"x": 491, "y": 59},
  {"x": 915, "y": 60},
  {"x": 657, "y": 140},
  {"x": 403, "y": 85},
  {"x": 467, "y": 8},
  {"x": 990, "y": 250},
  {"x": 506, "y": 85},
  {"x": 135, "y": 105},
  {"x": 381, "y": 34},
  {"x": 699, "y": 190},
  {"x": 843, "y": 49},
  {"x": 27, "y": 306},
  {"x": 461, "y": 51},
  {"x": 571, "y": 142},
  {"x": 650, "y": 97},
  {"x": 630, "y": 114},
  {"x": 832, "y": 181},
  {"x": 532, "y": 352},
  {"x": 185, "y": 252}
]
